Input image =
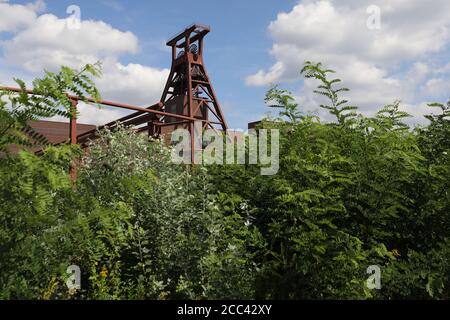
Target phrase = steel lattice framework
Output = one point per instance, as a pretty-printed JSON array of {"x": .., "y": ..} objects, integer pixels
[{"x": 188, "y": 97}]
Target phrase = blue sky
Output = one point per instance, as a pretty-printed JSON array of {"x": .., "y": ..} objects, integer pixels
[
  {"x": 236, "y": 47},
  {"x": 253, "y": 43}
]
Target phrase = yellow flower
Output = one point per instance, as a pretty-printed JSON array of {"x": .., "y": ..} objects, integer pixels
[
  {"x": 104, "y": 273},
  {"x": 163, "y": 295},
  {"x": 395, "y": 252}
]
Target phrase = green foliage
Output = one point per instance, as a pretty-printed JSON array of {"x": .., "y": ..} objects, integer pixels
[
  {"x": 138, "y": 226},
  {"x": 50, "y": 99},
  {"x": 179, "y": 244},
  {"x": 368, "y": 191},
  {"x": 337, "y": 107},
  {"x": 30, "y": 215},
  {"x": 348, "y": 195},
  {"x": 282, "y": 99}
]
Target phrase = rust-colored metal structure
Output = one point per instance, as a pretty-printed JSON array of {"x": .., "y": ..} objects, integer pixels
[
  {"x": 188, "y": 97},
  {"x": 188, "y": 90}
]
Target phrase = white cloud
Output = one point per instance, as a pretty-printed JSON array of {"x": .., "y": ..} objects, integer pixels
[
  {"x": 92, "y": 114},
  {"x": 262, "y": 78},
  {"x": 132, "y": 83},
  {"x": 16, "y": 16},
  {"x": 49, "y": 43},
  {"x": 408, "y": 28},
  {"x": 379, "y": 66},
  {"x": 45, "y": 41},
  {"x": 445, "y": 69},
  {"x": 437, "y": 87}
]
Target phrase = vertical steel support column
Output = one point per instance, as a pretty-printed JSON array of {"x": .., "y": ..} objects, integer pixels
[
  {"x": 189, "y": 96},
  {"x": 73, "y": 136}
]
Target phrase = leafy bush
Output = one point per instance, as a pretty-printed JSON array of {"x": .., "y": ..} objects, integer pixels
[
  {"x": 50, "y": 99},
  {"x": 176, "y": 242},
  {"x": 356, "y": 192},
  {"x": 353, "y": 193}
]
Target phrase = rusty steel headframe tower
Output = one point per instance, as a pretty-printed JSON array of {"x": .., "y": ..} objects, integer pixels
[
  {"x": 188, "y": 98},
  {"x": 188, "y": 90}
]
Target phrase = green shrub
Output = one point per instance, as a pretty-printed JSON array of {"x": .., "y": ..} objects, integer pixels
[{"x": 356, "y": 192}]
